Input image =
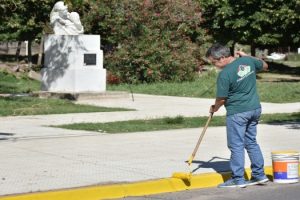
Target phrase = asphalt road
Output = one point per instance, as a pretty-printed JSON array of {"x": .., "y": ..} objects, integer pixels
[{"x": 271, "y": 191}]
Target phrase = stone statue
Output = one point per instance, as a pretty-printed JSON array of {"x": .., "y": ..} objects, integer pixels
[{"x": 63, "y": 22}]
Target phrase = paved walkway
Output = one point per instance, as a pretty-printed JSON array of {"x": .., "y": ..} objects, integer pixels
[{"x": 35, "y": 157}]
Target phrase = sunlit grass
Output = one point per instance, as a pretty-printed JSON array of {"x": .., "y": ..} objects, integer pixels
[
  {"x": 205, "y": 87},
  {"x": 13, "y": 106},
  {"x": 178, "y": 122}
]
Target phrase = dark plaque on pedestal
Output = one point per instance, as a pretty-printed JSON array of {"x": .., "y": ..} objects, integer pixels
[{"x": 89, "y": 59}]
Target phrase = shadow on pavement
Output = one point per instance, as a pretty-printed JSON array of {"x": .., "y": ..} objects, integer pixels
[
  {"x": 290, "y": 122},
  {"x": 289, "y": 125},
  {"x": 5, "y": 136},
  {"x": 217, "y": 163},
  {"x": 220, "y": 165}
]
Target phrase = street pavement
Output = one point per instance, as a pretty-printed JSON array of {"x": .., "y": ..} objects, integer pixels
[
  {"x": 36, "y": 157},
  {"x": 266, "y": 192}
]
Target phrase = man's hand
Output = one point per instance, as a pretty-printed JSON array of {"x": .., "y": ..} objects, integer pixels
[
  {"x": 212, "y": 109},
  {"x": 218, "y": 103},
  {"x": 240, "y": 54}
]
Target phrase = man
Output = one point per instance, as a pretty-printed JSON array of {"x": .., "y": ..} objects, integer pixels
[{"x": 236, "y": 89}]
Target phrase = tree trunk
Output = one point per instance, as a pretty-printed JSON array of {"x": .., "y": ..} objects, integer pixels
[
  {"x": 41, "y": 50},
  {"x": 232, "y": 48},
  {"x": 18, "y": 51},
  {"x": 29, "y": 54},
  {"x": 252, "y": 50}
]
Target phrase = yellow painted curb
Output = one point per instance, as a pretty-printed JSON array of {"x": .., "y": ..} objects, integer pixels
[{"x": 132, "y": 189}]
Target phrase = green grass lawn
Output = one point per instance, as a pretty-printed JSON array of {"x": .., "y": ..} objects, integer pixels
[
  {"x": 204, "y": 86},
  {"x": 278, "y": 91},
  {"x": 178, "y": 122},
  {"x": 274, "y": 89},
  {"x": 12, "y": 106},
  {"x": 12, "y": 84}
]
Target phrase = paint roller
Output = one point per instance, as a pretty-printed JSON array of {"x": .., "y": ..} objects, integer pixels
[{"x": 187, "y": 176}]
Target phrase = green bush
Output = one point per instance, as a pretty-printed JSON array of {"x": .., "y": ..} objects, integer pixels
[
  {"x": 140, "y": 60},
  {"x": 147, "y": 41}
]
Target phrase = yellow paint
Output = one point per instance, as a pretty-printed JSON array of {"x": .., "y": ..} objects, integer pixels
[
  {"x": 287, "y": 152},
  {"x": 182, "y": 175},
  {"x": 132, "y": 189},
  {"x": 191, "y": 160}
]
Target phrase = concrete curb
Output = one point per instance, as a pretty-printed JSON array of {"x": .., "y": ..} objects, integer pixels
[{"x": 133, "y": 189}]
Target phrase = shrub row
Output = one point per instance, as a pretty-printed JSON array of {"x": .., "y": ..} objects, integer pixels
[{"x": 147, "y": 41}]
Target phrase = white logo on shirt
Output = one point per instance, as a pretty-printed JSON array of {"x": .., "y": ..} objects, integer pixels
[{"x": 244, "y": 71}]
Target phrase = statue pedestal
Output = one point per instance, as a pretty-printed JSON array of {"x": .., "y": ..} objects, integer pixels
[{"x": 73, "y": 63}]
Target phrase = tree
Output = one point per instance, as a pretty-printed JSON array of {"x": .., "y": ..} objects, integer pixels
[
  {"x": 143, "y": 41},
  {"x": 260, "y": 23},
  {"x": 24, "y": 20},
  {"x": 147, "y": 41}
]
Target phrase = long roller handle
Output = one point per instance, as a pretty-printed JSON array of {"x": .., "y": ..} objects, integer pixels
[{"x": 199, "y": 140}]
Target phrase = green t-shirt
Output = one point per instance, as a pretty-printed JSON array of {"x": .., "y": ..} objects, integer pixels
[{"x": 237, "y": 82}]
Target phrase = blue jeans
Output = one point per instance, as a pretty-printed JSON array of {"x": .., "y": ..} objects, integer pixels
[{"x": 241, "y": 134}]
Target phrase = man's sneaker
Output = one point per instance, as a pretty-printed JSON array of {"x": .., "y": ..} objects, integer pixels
[
  {"x": 231, "y": 183},
  {"x": 258, "y": 181}
]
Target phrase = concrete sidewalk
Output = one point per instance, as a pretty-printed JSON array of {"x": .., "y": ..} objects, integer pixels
[{"x": 39, "y": 158}]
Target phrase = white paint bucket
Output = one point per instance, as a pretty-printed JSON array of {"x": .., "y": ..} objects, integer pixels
[{"x": 285, "y": 166}]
